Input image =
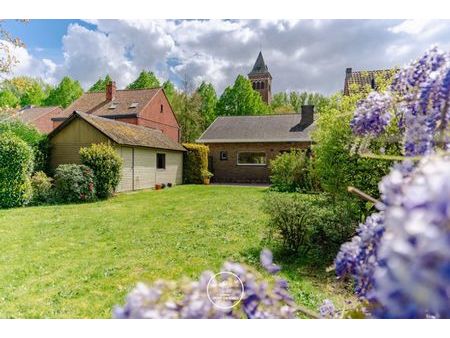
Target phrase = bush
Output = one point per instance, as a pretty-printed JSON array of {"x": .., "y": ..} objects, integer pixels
[
  {"x": 293, "y": 171},
  {"x": 74, "y": 183},
  {"x": 16, "y": 162},
  {"x": 106, "y": 165},
  {"x": 41, "y": 185},
  {"x": 36, "y": 140},
  {"x": 195, "y": 163},
  {"x": 306, "y": 221}
]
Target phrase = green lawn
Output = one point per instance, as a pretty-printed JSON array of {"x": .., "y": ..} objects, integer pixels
[{"x": 78, "y": 261}]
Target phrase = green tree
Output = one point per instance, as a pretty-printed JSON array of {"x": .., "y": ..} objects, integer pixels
[
  {"x": 169, "y": 89},
  {"x": 34, "y": 95},
  {"x": 100, "y": 85},
  {"x": 8, "y": 99},
  {"x": 241, "y": 99},
  {"x": 145, "y": 80},
  {"x": 67, "y": 91},
  {"x": 187, "y": 110},
  {"x": 208, "y": 103}
]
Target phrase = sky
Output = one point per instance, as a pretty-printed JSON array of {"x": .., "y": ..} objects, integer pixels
[{"x": 304, "y": 55}]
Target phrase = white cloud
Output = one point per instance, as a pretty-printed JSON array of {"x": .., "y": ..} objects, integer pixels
[{"x": 305, "y": 54}]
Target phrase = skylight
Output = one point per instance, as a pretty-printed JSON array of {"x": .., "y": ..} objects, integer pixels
[
  {"x": 113, "y": 105},
  {"x": 133, "y": 105}
]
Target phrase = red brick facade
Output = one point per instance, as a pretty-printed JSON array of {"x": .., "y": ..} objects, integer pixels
[
  {"x": 44, "y": 123},
  {"x": 158, "y": 114},
  {"x": 229, "y": 171}
]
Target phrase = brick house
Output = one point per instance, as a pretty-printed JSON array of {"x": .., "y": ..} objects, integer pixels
[
  {"x": 143, "y": 107},
  {"x": 358, "y": 79},
  {"x": 40, "y": 117},
  {"x": 241, "y": 147}
]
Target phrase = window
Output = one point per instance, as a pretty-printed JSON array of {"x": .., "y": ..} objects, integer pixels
[
  {"x": 262, "y": 85},
  {"x": 113, "y": 105},
  {"x": 133, "y": 105},
  {"x": 162, "y": 108},
  {"x": 223, "y": 156},
  {"x": 251, "y": 158},
  {"x": 160, "y": 161}
]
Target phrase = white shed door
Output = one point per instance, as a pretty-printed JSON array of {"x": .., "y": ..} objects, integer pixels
[
  {"x": 144, "y": 168},
  {"x": 126, "y": 183}
]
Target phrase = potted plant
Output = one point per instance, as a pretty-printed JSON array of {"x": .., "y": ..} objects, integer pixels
[
  {"x": 206, "y": 174},
  {"x": 157, "y": 186}
]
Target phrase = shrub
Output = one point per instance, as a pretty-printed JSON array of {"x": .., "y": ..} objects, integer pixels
[
  {"x": 106, "y": 165},
  {"x": 42, "y": 188},
  {"x": 74, "y": 183},
  {"x": 195, "y": 163},
  {"x": 36, "y": 140},
  {"x": 16, "y": 162},
  {"x": 293, "y": 171},
  {"x": 303, "y": 221}
]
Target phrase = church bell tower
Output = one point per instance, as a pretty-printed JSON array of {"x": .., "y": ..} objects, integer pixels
[{"x": 261, "y": 79}]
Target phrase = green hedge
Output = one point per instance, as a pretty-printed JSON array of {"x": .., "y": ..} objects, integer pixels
[
  {"x": 195, "y": 163},
  {"x": 16, "y": 163},
  {"x": 106, "y": 165},
  {"x": 74, "y": 183},
  {"x": 310, "y": 221}
]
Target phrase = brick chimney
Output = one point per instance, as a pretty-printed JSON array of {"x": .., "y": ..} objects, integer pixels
[
  {"x": 111, "y": 91},
  {"x": 348, "y": 71},
  {"x": 307, "y": 115}
]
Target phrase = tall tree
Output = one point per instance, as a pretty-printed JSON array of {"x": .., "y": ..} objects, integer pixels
[
  {"x": 8, "y": 99},
  {"x": 100, "y": 85},
  {"x": 208, "y": 103},
  {"x": 241, "y": 99},
  {"x": 67, "y": 91},
  {"x": 169, "y": 89},
  {"x": 29, "y": 91},
  {"x": 145, "y": 80},
  {"x": 285, "y": 102}
]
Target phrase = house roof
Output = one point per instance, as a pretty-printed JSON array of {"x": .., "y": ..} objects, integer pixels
[
  {"x": 125, "y": 102},
  {"x": 31, "y": 114},
  {"x": 125, "y": 133},
  {"x": 249, "y": 129},
  {"x": 259, "y": 67},
  {"x": 363, "y": 78}
]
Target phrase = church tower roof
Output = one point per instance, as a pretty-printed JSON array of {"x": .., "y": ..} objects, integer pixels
[{"x": 260, "y": 66}]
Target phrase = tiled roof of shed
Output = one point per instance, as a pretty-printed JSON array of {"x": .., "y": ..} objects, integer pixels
[
  {"x": 125, "y": 133},
  {"x": 266, "y": 128}
]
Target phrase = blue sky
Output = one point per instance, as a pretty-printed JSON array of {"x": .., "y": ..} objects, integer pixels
[{"x": 301, "y": 55}]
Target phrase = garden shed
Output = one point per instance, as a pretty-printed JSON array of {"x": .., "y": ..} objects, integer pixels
[{"x": 150, "y": 157}]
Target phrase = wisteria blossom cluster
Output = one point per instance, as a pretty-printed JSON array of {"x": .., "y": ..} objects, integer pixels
[
  {"x": 259, "y": 299},
  {"x": 419, "y": 98},
  {"x": 400, "y": 259},
  {"x": 372, "y": 115}
]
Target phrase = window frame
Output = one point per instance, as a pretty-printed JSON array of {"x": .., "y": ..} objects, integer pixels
[
  {"x": 164, "y": 161},
  {"x": 223, "y": 158},
  {"x": 252, "y": 164}
]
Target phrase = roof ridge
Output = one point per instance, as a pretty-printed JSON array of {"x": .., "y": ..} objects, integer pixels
[{"x": 125, "y": 90}]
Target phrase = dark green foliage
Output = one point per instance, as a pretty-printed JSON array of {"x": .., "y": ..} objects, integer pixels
[
  {"x": 36, "y": 140},
  {"x": 100, "y": 85},
  {"x": 16, "y": 163},
  {"x": 74, "y": 183},
  {"x": 293, "y": 171},
  {"x": 169, "y": 90},
  {"x": 284, "y": 102},
  {"x": 145, "y": 80},
  {"x": 106, "y": 165},
  {"x": 67, "y": 91},
  {"x": 310, "y": 221},
  {"x": 195, "y": 163},
  {"x": 241, "y": 99},
  {"x": 41, "y": 186}
]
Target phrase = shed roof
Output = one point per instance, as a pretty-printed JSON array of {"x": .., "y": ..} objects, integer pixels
[
  {"x": 125, "y": 133},
  {"x": 266, "y": 128}
]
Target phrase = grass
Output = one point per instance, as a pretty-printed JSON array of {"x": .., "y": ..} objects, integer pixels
[{"x": 78, "y": 261}]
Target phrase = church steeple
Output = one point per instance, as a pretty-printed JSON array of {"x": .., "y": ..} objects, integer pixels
[{"x": 261, "y": 79}]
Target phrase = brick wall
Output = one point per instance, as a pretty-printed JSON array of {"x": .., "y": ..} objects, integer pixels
[
  {"x": 228, "y": 171},
  {"x": 44, "y": 123},
  {"x": 152, "y": 116}
]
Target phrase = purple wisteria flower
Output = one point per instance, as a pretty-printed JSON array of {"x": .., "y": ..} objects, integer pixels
[
  {"x": 327, "y": 309},
  {"x": 266, "y": 258},
  {"x": 260, "y": 298},
  {"x": 372, "y": 115},
  {"x": 413, "y": 276}
]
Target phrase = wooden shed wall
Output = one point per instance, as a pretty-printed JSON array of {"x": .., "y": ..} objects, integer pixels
[{"x": 66, "y": 144}]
